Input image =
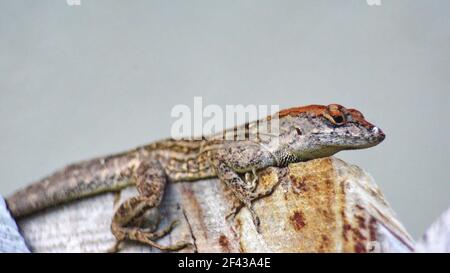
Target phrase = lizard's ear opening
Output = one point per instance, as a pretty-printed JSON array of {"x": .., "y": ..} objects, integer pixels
[{"x": 336, "y": 119}]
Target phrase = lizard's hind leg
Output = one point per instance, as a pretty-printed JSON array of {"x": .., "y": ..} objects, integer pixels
[{"x": 150, "y": 182}]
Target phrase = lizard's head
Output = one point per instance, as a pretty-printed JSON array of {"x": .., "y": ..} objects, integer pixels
[{"x": 318, "y": 130}]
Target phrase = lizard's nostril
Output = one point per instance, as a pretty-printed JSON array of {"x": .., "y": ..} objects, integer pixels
[{"x": 379, "y": 133}]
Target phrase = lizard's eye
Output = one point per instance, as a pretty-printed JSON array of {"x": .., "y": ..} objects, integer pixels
[
  {"x": 299, "y": 132},
  {"x": 335, "y": 114},
  {"x": 337, "y": 119}
]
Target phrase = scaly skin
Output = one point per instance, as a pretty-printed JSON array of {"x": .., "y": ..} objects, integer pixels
[{"x": 304, "y": 133}]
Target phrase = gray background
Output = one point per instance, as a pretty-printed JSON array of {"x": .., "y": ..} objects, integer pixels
[{"x": 82, "y": 81}]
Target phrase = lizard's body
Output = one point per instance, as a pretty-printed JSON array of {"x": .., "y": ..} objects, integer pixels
[{"x": 305, "y": 133}]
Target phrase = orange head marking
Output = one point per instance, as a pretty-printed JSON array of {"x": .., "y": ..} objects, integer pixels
[
  {"x": 335, "y": 113},
  {"x": 296, "y": 111},
  {"x": 358, "y": 117}
]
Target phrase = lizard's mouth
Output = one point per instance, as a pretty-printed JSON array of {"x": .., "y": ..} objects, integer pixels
[{"x": 373, "y": 137}]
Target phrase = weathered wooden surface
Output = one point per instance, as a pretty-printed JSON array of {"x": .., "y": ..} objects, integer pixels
[
  {"x": 323, "y": 205},
  {"x": 10, "y": 239},
  {"x": 437, "y": 237}
]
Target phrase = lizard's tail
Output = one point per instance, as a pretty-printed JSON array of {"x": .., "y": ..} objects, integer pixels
[{"x": 74, "y": 182}]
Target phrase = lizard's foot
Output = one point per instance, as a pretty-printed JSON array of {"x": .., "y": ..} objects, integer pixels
[
  {"x": 255, "y": 196},
  {"x": 250, "y": 179},
  {"x": 266, "y": 192},
  {"x": 116, "y": 247},
  {"x": 150, "y": 237},
  {"x": 235, "y": 210},
  {"x": 249, "y": 205},
  {"x": 146, "y": 237}
]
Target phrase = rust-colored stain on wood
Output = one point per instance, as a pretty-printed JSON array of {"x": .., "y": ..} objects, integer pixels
[
  {"x": 298, "y": 220},
  {"x": 223, "y": 241}
]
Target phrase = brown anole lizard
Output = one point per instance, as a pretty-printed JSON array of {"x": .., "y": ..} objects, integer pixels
[{"x": 304, "y": 133}]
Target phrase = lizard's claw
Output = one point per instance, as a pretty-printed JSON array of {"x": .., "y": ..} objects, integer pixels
[
  {"x": 251, "y": 178},
  {"x": 116, "y": 247},
  {"x": 249, "y": 206},
  {"x": 234, "y": 210},
  {"x": 175, "y": 247},
  {"x": 255, "y": 219},
  {"x": 264, "y": 193}
]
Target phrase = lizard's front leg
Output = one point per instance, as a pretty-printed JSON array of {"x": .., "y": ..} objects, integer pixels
[
  {"x": 241, "y": 189},
  {"x": 150, "y": 182},
  {"x": 243, "y": 158}
]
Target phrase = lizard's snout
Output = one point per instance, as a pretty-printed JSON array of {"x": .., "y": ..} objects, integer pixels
[{"x": 379, "y": 133}]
